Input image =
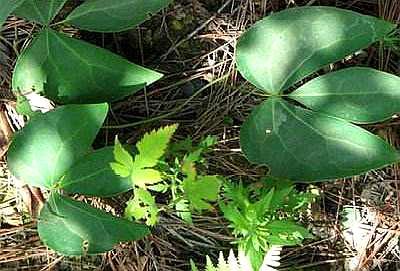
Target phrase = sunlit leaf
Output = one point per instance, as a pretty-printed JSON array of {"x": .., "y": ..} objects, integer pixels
[
  {"x": 51, "y": 143},
  {"x": 121, "y": 155},
  {"x": 182, "y": 208},
  {"x": 114, "y": 16},
  {"x": 40, "y": 11},
  {"x": 124, "y": 162},
  {"x": 51, "y": 63},
  {"x": 142, "y": 207},
  {"x": 93, "y": 175},
  {"x": 75, "y": 228},
  {"x": 287, "y": 46},
  {"x": 143, "y": 177},
  {"x": 361, "y": 95},
  {"x": 152, "y": 146},
  {"x": 302, "y": 145},
  {"x": 120, "y": 169}
]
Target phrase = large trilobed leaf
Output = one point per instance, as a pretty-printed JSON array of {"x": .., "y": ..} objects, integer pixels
[
  {"x": 114, "y": 16},
  {"x": 68, "y": 70},
  {"x": 40, "y": 11},
  {"x": 75, "y": 228},
  {"x": 360, "y": 95},
  {"x": 6, "y": 7},
  {"x": 285, "y": 47},
  {"x": 51, "y": 143},
  {"x": 302, "y": 145},
  {"x": 93, "y": 176}
]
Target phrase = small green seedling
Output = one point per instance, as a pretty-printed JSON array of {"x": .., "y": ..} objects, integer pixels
[
  {"x": 308, "y": 134},
  {"x": 150, "y": 170},
  {"x": 265, "y": 216}
]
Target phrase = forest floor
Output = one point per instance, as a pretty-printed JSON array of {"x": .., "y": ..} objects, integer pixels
[{"x": 193, "y": 44}]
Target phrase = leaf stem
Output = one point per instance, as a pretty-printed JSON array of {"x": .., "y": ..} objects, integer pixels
[{"x": 58, "y": 23}]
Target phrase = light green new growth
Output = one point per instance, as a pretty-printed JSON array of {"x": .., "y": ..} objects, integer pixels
[
  {"x": 124, "y": 162},
  {"x": 150, "y": 150},
  {"x": 150, "y": 170}
]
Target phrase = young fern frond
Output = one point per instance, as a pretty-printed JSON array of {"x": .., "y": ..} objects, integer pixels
[{"x": 242, "y": 262}]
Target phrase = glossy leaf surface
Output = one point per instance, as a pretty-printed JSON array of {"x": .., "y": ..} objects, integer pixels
[
  {"x": 75, "y": 228},
  {"x": 40, "y": 11},
  {"x": 302, "y": 145},
  {"x": 51, "y": 143},
  {"x": 287, "y": 46},
  {"x": 114, "y": 16},
  {"x": 6, "y": 7},
  {"x": 92, "y": 175},
  {"x": 360, "y": 95},
  {"x": 50, "y": 66}
]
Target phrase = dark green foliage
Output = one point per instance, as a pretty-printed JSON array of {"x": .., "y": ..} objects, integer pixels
[
  {"x": 54, "y": 150},
  {"x": 75, "y": 228},
  {"x": 317, "y": 141}
]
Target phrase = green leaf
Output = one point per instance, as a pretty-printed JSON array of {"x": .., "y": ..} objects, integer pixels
[
  {"x": 238, "y": 194},
  {"x": 160, "y": 187},
  {"x": 283, "y": 189},
  {"x": 188, "y": 168},
  {"x": 263, "y": 206},
  {"x": 255, "y": 257},
  {"x": 75, "y": 228},
  {"x": 6, "y": 8},
  {"x": 121, "y": 155},
  {"x": 289, "y": 45},
  {"x": 51, "y": 143},
  {"x": 120, "y": 169},
  {"x": 40, "y": 11},
  {"x": 232, "y": 214},
  {"x": 143, "y": 177},
  {"x": 202, "y": 190},
  {"x": 301, "y": 145},
  {"x": 182, "y": 208},
  {"x": 152, "y": 146},
  {"x": 193, "y": 266},
  {"x": 93, "y": 175},
  {"x": 361, "y": 95},
  {"x": 121, "y": 15},
  {"x": 142, "y": 206},
  {"x": 51, "y": 63},
  {"x": 208, "y": 142},
  {"x": 286, "y": 233},
  {"x": 124, "y": 162}
]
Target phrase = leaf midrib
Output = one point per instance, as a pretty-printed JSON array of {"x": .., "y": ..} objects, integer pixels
[
  {"x": 321, "y": 134},
  {"x": 350, "y": 93},
  {"x": 63, "y": 144}
]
